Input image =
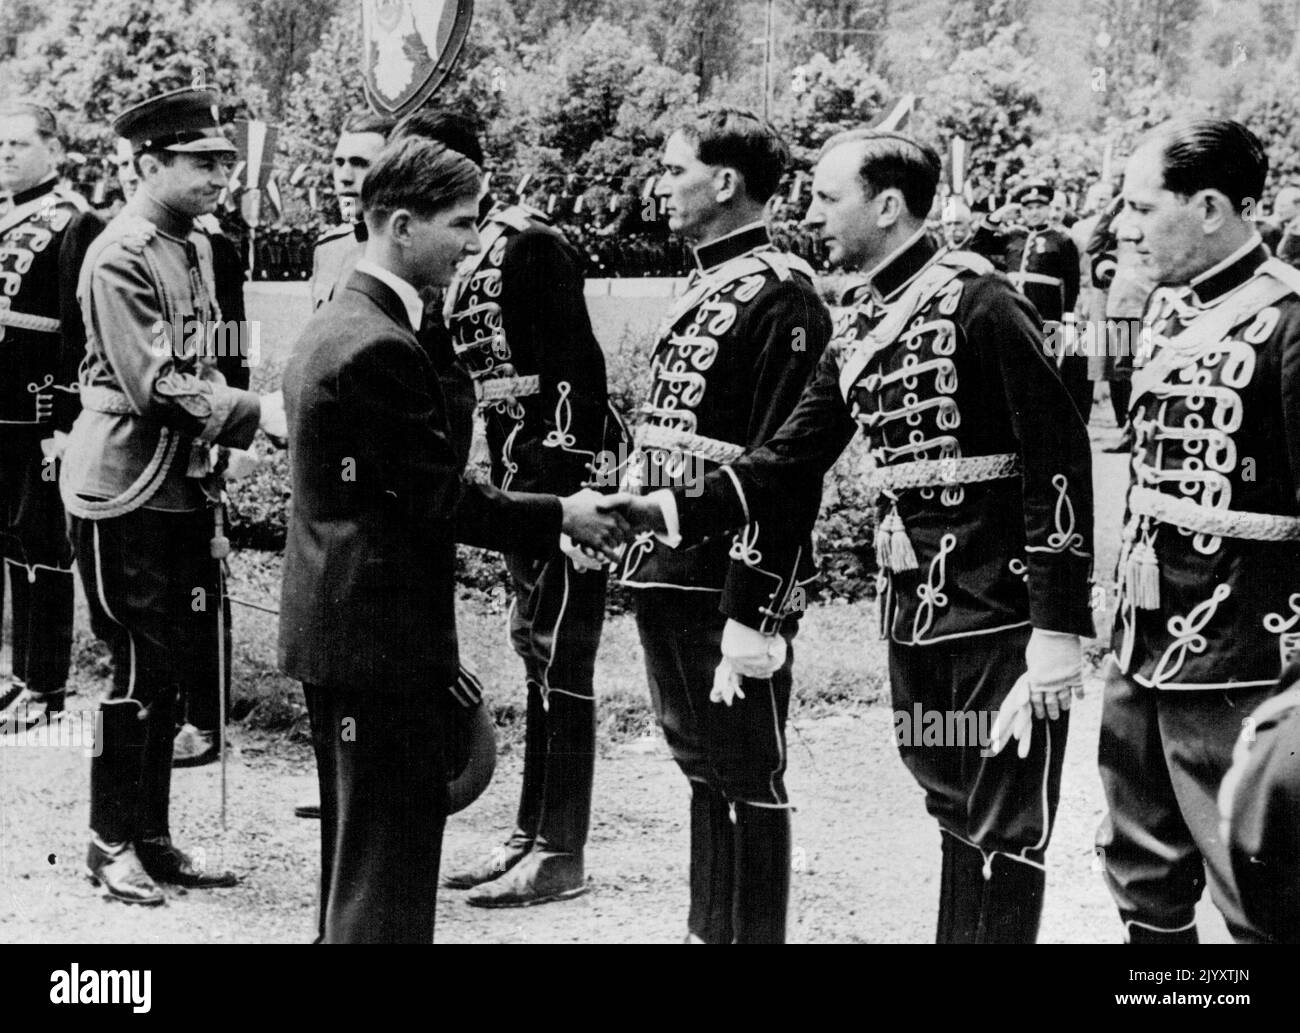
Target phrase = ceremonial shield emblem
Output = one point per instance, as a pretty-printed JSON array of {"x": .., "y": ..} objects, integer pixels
[{"x": 409, "y": 47}]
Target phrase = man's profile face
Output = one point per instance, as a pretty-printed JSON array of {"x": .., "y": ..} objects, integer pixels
[
  {"x": 127, "y": 178},
  {"x": 26, "y": 158},
  {"x": 443, "y": 240},
  {"x": 841, "y": 212},
  {"x": 192, "y": 183},
  {"x": 1035, "y": 214},
  {"x": 1163, "y": 228},
  {"x": 688, "y": 187},
  {"x": 353, "y": 156}
]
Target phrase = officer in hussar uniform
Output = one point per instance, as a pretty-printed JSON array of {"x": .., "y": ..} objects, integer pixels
[
  {"x": 43, "y": 239},
  {"x": 338, "y": 249},
  {"x": 140, "y": 480},
  {"x": 1043, "y": 263},
  {"x": 1208, "y": 608},
  {"x": 984, "y": 534},
  {"x": 518, "y": 321},
  {"x": 716, "y": 620}
]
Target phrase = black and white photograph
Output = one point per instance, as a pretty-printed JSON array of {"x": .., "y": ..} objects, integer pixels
[{"x": 715, "y": 472}]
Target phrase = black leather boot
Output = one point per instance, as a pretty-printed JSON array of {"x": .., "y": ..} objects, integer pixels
[
  {"x": 1013, "y": 902},
  {"x": 713, "y": 866},
  {"x": 761, "y": 897},
  {"x": 115, "y": 775},
  {"x": 116, "y": 868},
  {"x": 495, "y": 865},
  {"x": 961, "y": 892},
  {"x": 156, "y": 771},
  {"x": 554, "y": 867},
  {"x": 166, "y": 862},
  {"x": 1141, "y": 934}
]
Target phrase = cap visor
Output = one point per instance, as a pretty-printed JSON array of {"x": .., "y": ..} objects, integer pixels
[{"x": 206, "y": 146}]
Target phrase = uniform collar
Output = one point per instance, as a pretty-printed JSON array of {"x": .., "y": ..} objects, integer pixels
[
  {"x": 733, "y": 245},
  {"x": 1232, "y": 272},
  {"x": 406, "y": 294},
  {"x": 896, "y": 269},
  {"x": 164, "y": 216},
  {"x": 31, "y": 193}
]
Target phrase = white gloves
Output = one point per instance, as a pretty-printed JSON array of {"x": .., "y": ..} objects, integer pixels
[
  {"x": 274, "y": 423},
  {"x": 1055, "y": 662},
  {"x": 54, "y": 447},
  {"x": 581, "y": 559},
  {"x": 240, "y": 463},
  {"x": 746, "y": 653}
]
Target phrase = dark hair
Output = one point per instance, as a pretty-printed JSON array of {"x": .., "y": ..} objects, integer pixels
[
  {"x": 1211, "y": 154},
  {"x": 368, "y": 122},
  {"x": 740, "y": 140},
  {"x": 420, "y": 175},
  {"x": 894, "y": 161},
  {"x": 445, "y": 127},
  {"x": 47, "y": 127}
]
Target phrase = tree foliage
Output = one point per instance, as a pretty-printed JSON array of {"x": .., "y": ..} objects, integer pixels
[
  {"x": 92, "y": 59},
  {"x": 283, "y": 35},
  {"x": 834, "y": 95},
  {"x": 989, "y": 97}
]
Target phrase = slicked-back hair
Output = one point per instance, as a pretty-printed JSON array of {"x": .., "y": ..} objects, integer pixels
[
  {"x": 739, "y": 139},
  {"x": 47, "y": 126},
  {"x": 419, "y": 175},
  {"x": 893, "y": 160},
  {"x": 368, "y": 122},
  {"x": 459, "y": 133},
  {"x": 1211, "y": 154}
]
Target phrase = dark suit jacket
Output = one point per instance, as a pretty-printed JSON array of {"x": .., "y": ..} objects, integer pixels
[{"x": 379, "y": 503}]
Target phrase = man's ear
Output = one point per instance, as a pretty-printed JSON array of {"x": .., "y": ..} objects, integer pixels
[
  {"x": 892, "y": 207},
  {"x": 728, "y": 184},
  {"x": 1215, "y": 210},
  {"x": 399, "y": 226}
]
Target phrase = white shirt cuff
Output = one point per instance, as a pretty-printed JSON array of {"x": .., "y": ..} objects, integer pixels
[{"x": 672, "y": 536}]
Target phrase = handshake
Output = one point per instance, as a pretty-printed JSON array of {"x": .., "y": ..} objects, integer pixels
[{"x": 600, "y": 525}]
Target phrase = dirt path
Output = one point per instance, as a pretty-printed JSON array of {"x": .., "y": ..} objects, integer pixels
[{"x": 866, "y": 860}]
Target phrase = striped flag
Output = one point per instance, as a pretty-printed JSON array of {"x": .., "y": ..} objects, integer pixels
[{"x": 897, "y": 114}]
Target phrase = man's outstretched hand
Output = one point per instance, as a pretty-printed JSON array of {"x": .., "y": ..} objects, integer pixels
[
  {"x": 596, "y": 521},
  {"x": 642, "y": 512}
]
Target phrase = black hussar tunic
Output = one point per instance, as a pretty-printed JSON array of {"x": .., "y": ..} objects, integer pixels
[
  {"x": 951, "y": 376},
  {"x": 1208, "y": 608},
  {"x": 43, "y": 239}
]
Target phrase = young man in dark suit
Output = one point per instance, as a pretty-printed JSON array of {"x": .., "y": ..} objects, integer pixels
[{"x": 368, "y": 618}]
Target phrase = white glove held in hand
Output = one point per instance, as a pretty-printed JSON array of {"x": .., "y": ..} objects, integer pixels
[
  {"x": 751, "y": 653},
  {"x": 726, "y": 684},
  {"x": 1014, "y": 721}
]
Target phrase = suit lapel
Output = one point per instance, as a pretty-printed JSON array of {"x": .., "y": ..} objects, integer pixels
[{"x": 382, "y": 295}]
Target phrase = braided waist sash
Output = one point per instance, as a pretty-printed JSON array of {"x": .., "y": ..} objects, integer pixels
[
  {"x": 943, "y": 473},
  {"x": 672, "y": 439},
  {"x": 23, "y": 321},
  {"x": 1222, "y": 523},
  {"x": 502, "y": 389}
]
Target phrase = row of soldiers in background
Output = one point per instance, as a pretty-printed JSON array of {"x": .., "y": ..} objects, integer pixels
[{"x": 1073, "y": 268}]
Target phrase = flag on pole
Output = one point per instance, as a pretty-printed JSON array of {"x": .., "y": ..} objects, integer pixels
[
  {"x": 273, "y": 196},
  {"x": 957, "y": 165},
  {"x": 897, "y": 114}
]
